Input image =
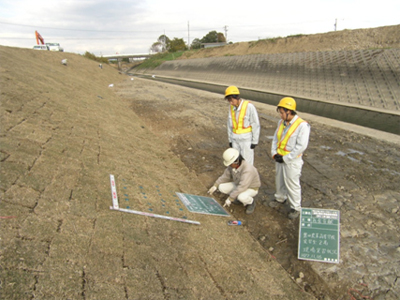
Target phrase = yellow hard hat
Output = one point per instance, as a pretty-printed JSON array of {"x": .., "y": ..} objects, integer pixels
[
  {"x": 230, "y": 156},
  {"x": 288, "y": 103},
  {"x": 231, "y": 90}
]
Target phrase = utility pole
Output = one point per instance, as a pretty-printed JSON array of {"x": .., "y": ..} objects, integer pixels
[
  {"x": 226, "y": 33},
  {"x": 164, "y": 43},
  {"x": 335, "y": 24},
  {"x": 188, "y": 37}
]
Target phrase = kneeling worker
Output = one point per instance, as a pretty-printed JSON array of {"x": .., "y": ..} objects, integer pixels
[{"x": 240, "y": 181}]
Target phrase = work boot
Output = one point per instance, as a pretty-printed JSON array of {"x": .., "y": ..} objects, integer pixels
[
  {"x": 250, "y": 207},
  {"x": 275, "y": 203},
  {"x": 293, "y": 214}
]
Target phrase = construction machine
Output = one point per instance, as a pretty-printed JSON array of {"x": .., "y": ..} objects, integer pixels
[
  {"x": 54, "y": 47},
  {"x": 50, "y": 46},
  {"x": 39, "y": 38}
]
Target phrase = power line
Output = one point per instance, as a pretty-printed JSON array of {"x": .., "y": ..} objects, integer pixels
[
  {"x": 71, "y": 38},
  {"x": 69, "y": 29},
  {"x": 103, "y": 31}
]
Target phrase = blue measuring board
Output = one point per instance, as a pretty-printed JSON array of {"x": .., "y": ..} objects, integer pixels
[
  {"x": 319, "y": 238},
  {"x": 202, "y": 205}
]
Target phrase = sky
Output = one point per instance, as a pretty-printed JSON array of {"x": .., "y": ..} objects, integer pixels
[{"x": 105, "y": 27}]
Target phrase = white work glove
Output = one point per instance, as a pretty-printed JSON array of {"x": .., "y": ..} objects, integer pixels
[
  {"x": 227, "y": 202},
  {"x": 212, "y": 190}
]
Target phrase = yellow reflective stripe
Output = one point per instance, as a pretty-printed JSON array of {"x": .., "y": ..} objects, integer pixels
[
  {"x": 282, "y": 143},
  {"x": 238, "y": 127}
]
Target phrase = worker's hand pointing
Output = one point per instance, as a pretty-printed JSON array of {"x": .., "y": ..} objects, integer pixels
[{"x": 212, "y": 190}]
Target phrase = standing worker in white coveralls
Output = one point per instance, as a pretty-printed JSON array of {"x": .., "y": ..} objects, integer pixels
[
  {"x": 243, "y": 124},
  {"x": 289, "y": 142},
  {"x": 240, "y": 181}
]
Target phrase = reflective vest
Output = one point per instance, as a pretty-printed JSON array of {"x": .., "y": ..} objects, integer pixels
[
  {"x": 282, "y": 143},
  {"x": 238, "y": 126}
]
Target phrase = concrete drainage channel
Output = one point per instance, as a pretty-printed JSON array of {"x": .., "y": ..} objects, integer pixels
[{"x": 388, "y": 121}]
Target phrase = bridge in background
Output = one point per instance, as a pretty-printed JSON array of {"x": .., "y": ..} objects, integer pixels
[{"x": 130, "y": 56}]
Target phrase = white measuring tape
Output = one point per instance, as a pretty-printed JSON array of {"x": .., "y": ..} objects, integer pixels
[
  {"x": 155, "y": 215},
  {"x": 116, "y": 207}
]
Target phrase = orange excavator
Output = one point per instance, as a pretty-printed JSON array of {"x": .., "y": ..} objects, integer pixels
[{"x": 39, "y": 38}]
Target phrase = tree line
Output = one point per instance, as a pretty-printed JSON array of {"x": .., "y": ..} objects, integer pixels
[{"x": 165, "y": 44}]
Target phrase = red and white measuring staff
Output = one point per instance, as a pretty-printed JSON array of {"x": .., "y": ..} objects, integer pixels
[
  {"x": 114, "y": 193},
  {"x": 116, "y": 207}
]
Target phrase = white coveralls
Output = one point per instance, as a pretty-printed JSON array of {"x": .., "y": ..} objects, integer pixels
[
  {"x": 241, "y": 183},
  {"x": 287, "y": 178},
  {"x": 242, "y": 142}
]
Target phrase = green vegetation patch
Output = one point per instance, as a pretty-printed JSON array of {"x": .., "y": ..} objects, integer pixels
[
  {"x": 296, "y": 35},
  {"x": 157, "y": 59},
  {"x": 264, "y": 41},
  {"x": 96, "y": 58}
]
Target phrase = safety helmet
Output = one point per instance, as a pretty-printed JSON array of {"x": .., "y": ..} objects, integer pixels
[
  {"x": 230, "y": 156},
  {"x": 231, "y": 90},
  {"x": 288, "y": 103}
]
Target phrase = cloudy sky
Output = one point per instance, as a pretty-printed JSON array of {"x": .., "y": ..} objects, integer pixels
[{"x": 131, "y": 26}]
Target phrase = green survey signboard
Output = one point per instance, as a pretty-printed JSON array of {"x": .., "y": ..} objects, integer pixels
[
  {"x": 319, "y": 238},
  {"x": 202, "y": 205}
]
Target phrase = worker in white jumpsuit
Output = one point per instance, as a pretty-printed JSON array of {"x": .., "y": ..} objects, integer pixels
[
  {"x": 289, "y": 142},
  {"x": 243, "y": 124},
  {"x": 240, "y": 181}
]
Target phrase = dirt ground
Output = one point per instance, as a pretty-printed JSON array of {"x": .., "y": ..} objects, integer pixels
[
  {"x": 339, "y": 171},
  {"x": 338, "y": 164},
  {"x": 64, "y": 129}
]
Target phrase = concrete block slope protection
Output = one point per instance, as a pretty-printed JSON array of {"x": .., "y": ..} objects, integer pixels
[{"x": 359, "y": 87}]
